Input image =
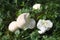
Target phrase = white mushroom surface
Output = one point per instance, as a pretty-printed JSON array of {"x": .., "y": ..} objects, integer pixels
[
  {"x": 36, "y": 6},
  {"x": 13, "y": 26},
  {"x": 44, "y": 25},
  {"x": 25, "y": 21}
]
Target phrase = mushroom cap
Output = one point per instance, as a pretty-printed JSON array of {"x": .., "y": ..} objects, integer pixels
[
  {"x": 22, "y": 19},
  {"x": 44, "y": 25},
  {"x": 36, "y": 6},
  {"x": 25, "y": 21},
  {"x": 13, "y": 26}
]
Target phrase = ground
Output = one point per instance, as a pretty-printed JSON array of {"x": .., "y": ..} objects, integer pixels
[{"x": 10, "y": 9}]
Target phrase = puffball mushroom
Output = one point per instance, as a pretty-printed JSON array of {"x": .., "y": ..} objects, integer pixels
[
  {"x": 25, "y": 21},
  {"x": 44, "y": 25},
  {"x": 36, "y": 6},
  {"x": 13, "y": 26}
]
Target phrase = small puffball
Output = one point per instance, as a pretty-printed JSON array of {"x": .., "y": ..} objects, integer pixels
[
  {"x": 44, "y": 25},
  {"x": 36, "y": 6},
  {"x": 13, "y": 26}
]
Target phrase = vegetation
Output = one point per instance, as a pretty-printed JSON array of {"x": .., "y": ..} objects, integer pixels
[{"x": 10, "y": 9}]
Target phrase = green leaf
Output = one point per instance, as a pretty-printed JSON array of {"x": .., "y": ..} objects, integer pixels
[{"x": 34, "y": 35}]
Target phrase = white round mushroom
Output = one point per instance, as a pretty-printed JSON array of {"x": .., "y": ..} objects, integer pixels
[
  {"x": 36, "y": 6},
  {"x": 13, "y": 26}
]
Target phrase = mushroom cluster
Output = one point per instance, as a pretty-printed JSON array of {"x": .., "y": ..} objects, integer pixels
[{"x": 23, "y": 22}]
